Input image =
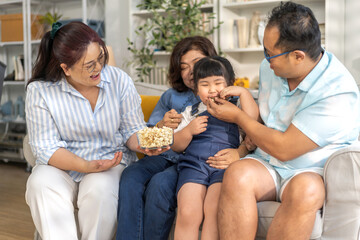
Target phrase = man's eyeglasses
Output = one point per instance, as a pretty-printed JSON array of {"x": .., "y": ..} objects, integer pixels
[
  {"x": 91, "y": 66},
  {"x": 267, "y": 56}
]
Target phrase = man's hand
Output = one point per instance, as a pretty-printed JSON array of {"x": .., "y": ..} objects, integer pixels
[
  {"x": 223, "y": 110},
  {"x": 104, "y": 164},
  {"x": 223, "y": 158}
]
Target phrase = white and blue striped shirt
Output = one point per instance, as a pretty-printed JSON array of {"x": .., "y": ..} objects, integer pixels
[{"x": 58, "y": 116}]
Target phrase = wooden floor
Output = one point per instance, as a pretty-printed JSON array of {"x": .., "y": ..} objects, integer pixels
[{"x": 15, "y": 218}]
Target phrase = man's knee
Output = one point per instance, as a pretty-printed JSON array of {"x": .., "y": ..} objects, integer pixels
[
  {"x": 305, "y": 191},
  {"x": 240, "y": 175}
]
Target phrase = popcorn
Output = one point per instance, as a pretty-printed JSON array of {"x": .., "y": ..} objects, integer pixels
[{"x": 155, "y": 137}]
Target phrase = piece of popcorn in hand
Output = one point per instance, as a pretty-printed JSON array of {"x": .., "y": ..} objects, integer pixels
[{"x": 155, "y": 137}]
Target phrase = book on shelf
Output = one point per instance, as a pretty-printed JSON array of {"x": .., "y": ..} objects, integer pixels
[
  {"x": 19, "y": 67},
  {"x": 227, "y": 33},
  {"x": 207, "y": 24},
  {"x": 241, "y": 32},
  {"x": 233, "y": 1}
]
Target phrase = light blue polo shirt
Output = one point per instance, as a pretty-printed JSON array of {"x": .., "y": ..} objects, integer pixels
[{"x": 324, "y": 106}]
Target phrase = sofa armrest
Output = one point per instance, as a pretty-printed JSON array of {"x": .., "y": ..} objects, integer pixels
[
  {"x": 29, "y": 156},
  {"x": 342, "y": 203}
]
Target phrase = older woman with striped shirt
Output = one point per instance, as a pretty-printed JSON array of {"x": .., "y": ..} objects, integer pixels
[{"x": 82, "y": 117}]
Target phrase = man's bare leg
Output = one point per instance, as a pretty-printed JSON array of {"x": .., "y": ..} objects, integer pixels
[
  {"x": 301, "y": 199},
  {"x": 245, "y": 183}
]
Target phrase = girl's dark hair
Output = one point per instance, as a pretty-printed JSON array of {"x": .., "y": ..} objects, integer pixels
[
  {"x": 213, "y": 66},
  {"x": 67, "y": 46},
  {"x": 199, "y": 43},
  {"x": 298, "y": 27}
]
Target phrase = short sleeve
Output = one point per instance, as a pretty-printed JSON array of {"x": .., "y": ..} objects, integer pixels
[
  {"x": 329, "y": 120},
  {"x": 187, "y": 118}
]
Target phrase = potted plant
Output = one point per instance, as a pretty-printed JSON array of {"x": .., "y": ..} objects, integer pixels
[
  {"x": 171, "y": 21},
  {"x": 49, "y": 18}
]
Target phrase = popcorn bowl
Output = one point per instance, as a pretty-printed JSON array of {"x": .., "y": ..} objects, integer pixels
[{"x": 154, "y": 137}]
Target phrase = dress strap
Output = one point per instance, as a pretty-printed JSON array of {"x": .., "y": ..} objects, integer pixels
[
  {"x": 233, "y": 99},
  {"x": 195, "y": 108}
]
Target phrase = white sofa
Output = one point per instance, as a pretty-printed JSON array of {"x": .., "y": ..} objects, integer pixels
[{"x": 339, "y": 218}]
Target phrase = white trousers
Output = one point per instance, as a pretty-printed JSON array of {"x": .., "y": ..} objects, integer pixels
[{"x": 53, "y": 197}]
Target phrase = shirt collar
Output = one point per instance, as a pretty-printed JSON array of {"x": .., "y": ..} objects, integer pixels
[{"x": 315, "y": 73}]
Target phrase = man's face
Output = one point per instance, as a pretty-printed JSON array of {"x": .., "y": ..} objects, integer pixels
[{"x": 281, "y": 64}]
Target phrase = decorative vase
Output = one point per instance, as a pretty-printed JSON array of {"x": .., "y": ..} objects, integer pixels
[
  {"x": 254, "y": 25},
  {"x": 261, "y": 30}
]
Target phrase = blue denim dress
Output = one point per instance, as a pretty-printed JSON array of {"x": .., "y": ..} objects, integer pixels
[{"x": 192, "y": 164}]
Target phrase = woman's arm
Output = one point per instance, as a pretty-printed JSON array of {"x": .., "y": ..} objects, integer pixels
[
  {"x": 163, "y": 113},
  {"x": 66, "y": 160}
]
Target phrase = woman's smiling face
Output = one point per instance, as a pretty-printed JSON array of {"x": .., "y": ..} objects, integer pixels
[
  {"x": 86, "y": 71},
  {"x": 187, "y": 63}
]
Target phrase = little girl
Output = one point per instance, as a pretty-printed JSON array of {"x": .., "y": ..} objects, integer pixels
[{"x": 200, "y": 136}]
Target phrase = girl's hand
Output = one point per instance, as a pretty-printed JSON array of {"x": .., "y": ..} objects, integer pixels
[
  {"x": 104, "y": 164},
  {"x": 198, "y": 125},
  {"x": 249, "y": 144},
  {"x": 171, "y": 119},
  {"x": 223, "y": 158},
  {"x": 231, "y": 91}
]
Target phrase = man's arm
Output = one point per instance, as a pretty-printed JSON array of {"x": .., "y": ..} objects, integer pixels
[{"x": 281, "y": 145}]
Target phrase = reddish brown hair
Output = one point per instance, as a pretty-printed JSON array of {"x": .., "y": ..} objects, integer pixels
[{"x": 67, "y": 46}]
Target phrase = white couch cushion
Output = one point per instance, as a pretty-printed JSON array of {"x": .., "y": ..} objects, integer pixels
[{"x": 266, "y": 212}]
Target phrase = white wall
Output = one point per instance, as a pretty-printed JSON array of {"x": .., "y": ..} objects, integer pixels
[
  {"x": 117, "y": 18},
  {"x": 352, "y": 38}
]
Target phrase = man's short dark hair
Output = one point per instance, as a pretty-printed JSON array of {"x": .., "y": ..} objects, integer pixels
[{"x": 298, "y": 27}]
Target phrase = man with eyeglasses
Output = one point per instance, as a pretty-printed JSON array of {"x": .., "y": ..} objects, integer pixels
[{"x": 309, "y": 108}]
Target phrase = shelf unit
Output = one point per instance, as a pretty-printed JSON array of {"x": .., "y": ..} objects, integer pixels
[
  {"x": 138, "y": 17},
  {"x": 246, "y": 61},
  {"x": 10, "y": 140},
  {"x": 13, "y": 129}
]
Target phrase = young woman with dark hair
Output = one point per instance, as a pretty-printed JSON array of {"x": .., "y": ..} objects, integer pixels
[
  {"x": 147, "y": 199},
  {"x": 79, "y": 158}
]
